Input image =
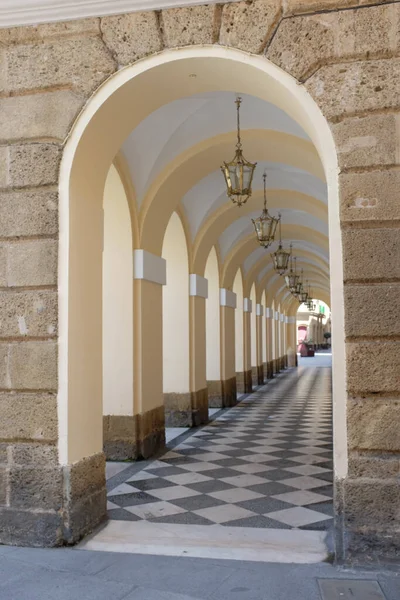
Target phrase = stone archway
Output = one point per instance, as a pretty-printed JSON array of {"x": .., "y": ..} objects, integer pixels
[{"x": 47, "y": 105}]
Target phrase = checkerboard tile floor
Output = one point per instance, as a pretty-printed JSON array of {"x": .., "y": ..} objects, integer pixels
[{"x": 267, "y": 462}]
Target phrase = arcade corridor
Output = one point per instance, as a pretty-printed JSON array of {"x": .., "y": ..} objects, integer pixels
[{"x": 266, "y": 463}]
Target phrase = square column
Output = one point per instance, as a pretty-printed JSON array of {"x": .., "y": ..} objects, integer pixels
[{"x": 227, "y": 321}]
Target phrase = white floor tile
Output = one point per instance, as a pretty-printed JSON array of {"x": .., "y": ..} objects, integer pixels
[
  {"x": 187, "y": 478},
  {"x": 154, "y": 509},
  {"x": 303, "y": 483},
  {"x": 123, "y": 488},
  {"x": 173, "y": 492},
  {"x": 244, "y": 480},
  {"x": 301, "y": 497},
  {"x": 224, "y": 513},
  {"x": 235, "y": 495},
  {"x": 297, "y": 517}
]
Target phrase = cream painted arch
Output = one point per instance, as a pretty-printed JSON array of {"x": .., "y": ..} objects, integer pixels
[
  {"x": 89, "y": 150},
  {"x": 214, "y": 226},
  {"x": 246, "y": 245},
  {"x": 182, "y": 173}
]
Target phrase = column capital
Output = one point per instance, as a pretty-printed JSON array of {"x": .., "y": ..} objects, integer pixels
[
  {"x": 247, "y": 305},
  {"x": 259, "y": 310},
  {"x": 149, "y": 267},
  {"x": 198, "y": 286},
  {"x": 269, "y": 313},
  {"x": 227, "y": 298}
]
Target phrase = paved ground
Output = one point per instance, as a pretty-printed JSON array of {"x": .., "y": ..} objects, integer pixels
[
  {"x": 266, "y": 463},
  {"x": 70, "y": 574}
]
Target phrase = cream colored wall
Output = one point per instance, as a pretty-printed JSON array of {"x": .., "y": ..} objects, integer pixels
[
  {"x": 253, "y": 327},
  {"x": 238, "y": 289},
  {"x": 176, "y": 310},
  {"x": 117, "y": 300},
  {"x": 213, "y": 344}
]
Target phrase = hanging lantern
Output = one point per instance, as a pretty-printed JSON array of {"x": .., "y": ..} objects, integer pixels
[
  {"x": 310, "y": 302},
  {"x": 265, "y": 225},
  {"x": 281, "y": 257},
  {"x": 299, "y": 285},
  {"x": 239, "y": 172},
  {"x": 292, "y": 278},
  {"x": 303, "y": 297}
]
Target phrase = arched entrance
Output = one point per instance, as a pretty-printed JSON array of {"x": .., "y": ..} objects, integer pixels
[{"x": 119, "y": 107}]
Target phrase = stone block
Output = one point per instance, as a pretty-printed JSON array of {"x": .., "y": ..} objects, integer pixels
[
  {"x": 81, "y": 62},
  {"x": 39, "y": 455},
  {"x": 367, "y": 141},
  {"x": 30, "y": 528},
  {"x": 33, "y": 164},
  {"x": 249, "y": 25},
  {"x": 214, "y": 388},
  {"x": 28, "y": 313},
  {"x": 87, "y": 476},
  {"x": 375, "y": 466},
  {"x": 33, "y": 365},
  {"x": 3, "y": 165},
  {"x": 151, "y": 432},
  {"x": 187, "y": 26},
  {"x": 32, "y": 263},
  {"x": 132, "y": 36},
  {"x": 199, "y": 407},
  {"x": 3, "y": 486},
  {"x": 120, "y": 437},
  {"x": 356, "y": 87},
  {"x": 44, "y": 31},
  {"x": 373, "y": 424},
  {"x": 34, "y": 487},
  {"x": 373, "y": 367},
  {"x": 3, "y": 265},
  {"x": 42, "y": 115},
  {"x": 178, "y": 410},
  {"x": 371, "y": 254},
  {"x": 295, "y": 7},
  {"x": 303, "y": 44},
  {"x": 28, "y": 213},
  {"x": 28, "y": 416},
  {"x": 372, "y": 310},
  {"x": 370, "y": 196},
  {"x": 4, "y": 380},
  {"x": 229, "y": 392},
  {"x": 371, "y": 503}
]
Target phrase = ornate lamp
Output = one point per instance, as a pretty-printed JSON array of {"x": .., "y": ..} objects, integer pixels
[
  {"x": 239, "y": 172},
  {"x": 303, "y": 296},
  {"x": 299, "y": 285},
  {"x": 281, "y": 257},
  {"x": 292, "y": 278},
  {"x": 265, "y": 225}
]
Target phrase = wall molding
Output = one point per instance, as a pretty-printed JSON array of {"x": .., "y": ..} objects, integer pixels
[
  {"x": 198, "y": 286},
  {"x": 32, "y": 12},
  {"x": 149, "y": 267}
]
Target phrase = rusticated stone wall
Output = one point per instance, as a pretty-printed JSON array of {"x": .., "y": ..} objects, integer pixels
[{"x": 347, "y": 55}]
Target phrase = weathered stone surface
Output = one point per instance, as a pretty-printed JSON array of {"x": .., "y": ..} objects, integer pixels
[
  {"x": 229, "y": 394},
  {"x": 354, "y": 88},
  {"x": 4, "y": 382},
  {"x": 35, "y": 487},
  {"x": 41, "y": 455},
  {"x": 367, "y": 141},
  {"x": 132, "y": 36},
  {"x": 24, "y": 528},
  {"x": 29, "y": 416},
  {"x": 294, "y": 7},
  {"x": 38, "y": 33},
  {"x": 187, "y": 26},
  {"x": 199, "y": 407},
  {"x": 151, "y": 432},
  {"x": 364, "y": 505},
  {"x": 214, "y": 388},
  {"x": 3, "y": 485},
  {"x": 178, "y": 410},
  {"x": 81, "y": 63},
  {"x": 120, "y": 437},
  {"x": 32, "y": 263},
  {"x": 375, "y": 466},
  {"x": 30, "y": 212},
  {"x": 33, "y": 365},
  {"x": 45, "y": 115},
  {"x": 3, "y": 165},
  {"x": 371, "y": 196},
  {"x": 371, "y": 254},
  {"x": 249, "y": 26},
  {"x": 372, "y": 367},
  {"x": 372, "y": 310},
  {"x": 303, "y": 44},
  {"x": 28, "y": 313},
  {"x": 33, "y": 164},
  {"x": 3, "y": 265},
  {"x": 373, "y": 424},
  {"x": 85, "y": 497}
]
